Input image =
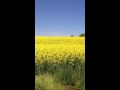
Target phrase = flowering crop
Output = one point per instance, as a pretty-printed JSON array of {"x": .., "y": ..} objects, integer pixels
[
  {"x": 63, "y": 57},
  {"x": 57, "y": 49}
]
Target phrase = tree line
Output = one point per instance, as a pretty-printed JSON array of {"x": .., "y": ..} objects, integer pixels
[{"x": 81, "y": 35}]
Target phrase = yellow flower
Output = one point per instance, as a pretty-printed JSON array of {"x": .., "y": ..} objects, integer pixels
[{"x": 54, "y": 49}]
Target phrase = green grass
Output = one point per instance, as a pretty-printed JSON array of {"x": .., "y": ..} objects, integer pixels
[
  {"x": 47, "y": 82},
  {"x": 62, "y": 74}
]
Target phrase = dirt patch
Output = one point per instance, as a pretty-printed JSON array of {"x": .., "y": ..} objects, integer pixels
[{"x": 69, "y": 88}]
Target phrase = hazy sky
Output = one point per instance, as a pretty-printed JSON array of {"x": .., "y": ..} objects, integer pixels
[{"x": 59, "y": 17}]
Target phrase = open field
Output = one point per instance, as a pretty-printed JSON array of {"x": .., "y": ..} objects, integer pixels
[{"x": 63, "y": 58}]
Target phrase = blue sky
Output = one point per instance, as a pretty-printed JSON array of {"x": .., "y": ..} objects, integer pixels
[{"x": 59, "y": 17}]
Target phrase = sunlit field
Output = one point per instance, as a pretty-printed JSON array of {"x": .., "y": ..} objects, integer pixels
[{"x": 63, "y": 58}]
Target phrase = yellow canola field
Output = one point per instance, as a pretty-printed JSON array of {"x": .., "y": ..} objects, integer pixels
[{"x": 57, "y": 49}]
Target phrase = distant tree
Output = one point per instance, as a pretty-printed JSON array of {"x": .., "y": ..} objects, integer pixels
[
  {"x": 82, "y": 35},
  {"x": 72, "y": 35}
]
